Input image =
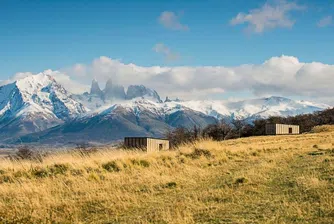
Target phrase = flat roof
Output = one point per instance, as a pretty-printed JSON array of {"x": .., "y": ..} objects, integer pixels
[
  {"x": 282, "y": 124},
  {"x": 148, "y": 137}
]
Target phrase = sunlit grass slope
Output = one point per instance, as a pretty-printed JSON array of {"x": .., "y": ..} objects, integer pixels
[{"x": 275, "y": 179}]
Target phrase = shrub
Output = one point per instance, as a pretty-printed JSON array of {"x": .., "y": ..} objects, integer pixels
[
  {"x": 24, "y": 152},
  {"x": 6, "y": 179},
  {"x": 40, "y": 172},
  {"x": 240, "y": 180},
  {"x": 141, "y": 162},
  {"x": 182, "y": 135},
  {"x": 111, "y": 166},
  {"x": 218, "y": 132},
  {"x": 59, "y": 169},
  {"x": 170, "y": 185},
  {"x": 197, "y": 153}
]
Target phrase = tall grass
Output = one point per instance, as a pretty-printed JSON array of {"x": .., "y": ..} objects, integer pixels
[{"x": 276, "y": 179}]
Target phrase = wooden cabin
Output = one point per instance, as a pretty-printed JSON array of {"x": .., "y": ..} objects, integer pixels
[
  {"x": 282, "y": 129},
  {"x": 147, "y": 144}
]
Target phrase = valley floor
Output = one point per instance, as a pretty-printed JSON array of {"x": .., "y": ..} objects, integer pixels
[{"x": 276, "y": 179}]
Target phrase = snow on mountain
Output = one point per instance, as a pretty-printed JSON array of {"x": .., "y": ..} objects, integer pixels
[
  {"x": 42, "y": 93},
  {"x": 251, "y": 109},
  {"x": 143, "y": 117},
  {"x": 35, "y": 103},
  {"x": 247, "y": 109}
]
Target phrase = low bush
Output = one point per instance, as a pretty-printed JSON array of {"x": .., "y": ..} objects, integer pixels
[
  {"x": 197, "y": 153},
  {"x": 40, "y": 172},
  {"x": 59, "y": 168},
  {"x": 26, "y": 153},
  {"x": 112, "y": 166},
  {"x": 140, "y": 162}
]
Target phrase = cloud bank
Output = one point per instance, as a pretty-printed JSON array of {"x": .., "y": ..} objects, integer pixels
[{"x": 283, "y": 76}]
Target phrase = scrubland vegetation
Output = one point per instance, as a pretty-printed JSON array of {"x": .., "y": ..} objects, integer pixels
[{"x": 269, "y": 179}]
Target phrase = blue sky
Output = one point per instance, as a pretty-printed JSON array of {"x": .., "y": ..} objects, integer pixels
[
  {"x": 39, "y": 35},
  {"x": 36, "y": 35}
]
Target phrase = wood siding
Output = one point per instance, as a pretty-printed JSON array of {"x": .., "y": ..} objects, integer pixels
[
  {"x": 270, "y": 129},
  {"x": 147, "y": 144},
  {"x": 282, "y": 129},
  {"x": 154, "y": 145},
  {"x": 135, "y": 142}
]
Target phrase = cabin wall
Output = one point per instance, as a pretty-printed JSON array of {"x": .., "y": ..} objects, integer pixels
[
  {"x": 147, "y": 144},
  {"x": 283, "y": 129},
  {"x": 134, "y": 142},
  {"x": 270, "y": 129},
  {"x": 154, "y": 145}
]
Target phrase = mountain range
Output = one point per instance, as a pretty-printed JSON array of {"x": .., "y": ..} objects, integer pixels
[{"x": 37, "y": 109}]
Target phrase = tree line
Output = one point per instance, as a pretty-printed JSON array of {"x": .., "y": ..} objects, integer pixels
[{"x": 224, "y": 130}]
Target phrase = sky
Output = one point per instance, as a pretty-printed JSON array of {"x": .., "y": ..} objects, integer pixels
[{"x": 190, "y": 49}]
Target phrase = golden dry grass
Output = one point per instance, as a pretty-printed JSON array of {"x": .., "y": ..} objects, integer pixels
[{"x": 277, "y": 179}]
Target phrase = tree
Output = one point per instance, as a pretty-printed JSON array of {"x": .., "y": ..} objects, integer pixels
[
  {"x": 217, "y": 132},
  {"x": 179, "y": 136},
  {"x": 238, "y": 126}
]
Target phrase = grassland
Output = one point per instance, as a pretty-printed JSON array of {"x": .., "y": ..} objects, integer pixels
[{"x": 277, "y": 179}]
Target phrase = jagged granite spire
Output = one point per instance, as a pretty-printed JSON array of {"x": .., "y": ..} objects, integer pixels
[
  {"x": 112, "y": 91},
  {"x": 95, "y": 89}
]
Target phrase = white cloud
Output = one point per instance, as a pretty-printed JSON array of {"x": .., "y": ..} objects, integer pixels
[
  {"x": 283, "y": 76},
  {"x": 170, "y": 20},
  {"x": 166, "y": 52},
  {"x": 326, "y": 21},
  {"x": 269, "y": 16}
]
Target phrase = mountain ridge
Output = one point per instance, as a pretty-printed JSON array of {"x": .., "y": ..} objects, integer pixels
[{"x": 38, "y": 106}]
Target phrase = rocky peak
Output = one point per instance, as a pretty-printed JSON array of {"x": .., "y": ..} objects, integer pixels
[
  {"x": 95, "y": 89},
  {"x": 172, "y": 100},
  {"x": 112, "y": 91},
  {"x": 135, "y": 91}
]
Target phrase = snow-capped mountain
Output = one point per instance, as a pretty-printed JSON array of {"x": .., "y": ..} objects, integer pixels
[
  {"x": 33, "y": 104},
  {"x": 37, "y": 108},
  {"x": 142, "y": 117},
  {"x": 251, "y": 109},
  {"x": 132, "y": 118}
]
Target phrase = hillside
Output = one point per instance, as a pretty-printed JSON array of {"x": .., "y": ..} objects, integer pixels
[{"x": 276, "y": 179}]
